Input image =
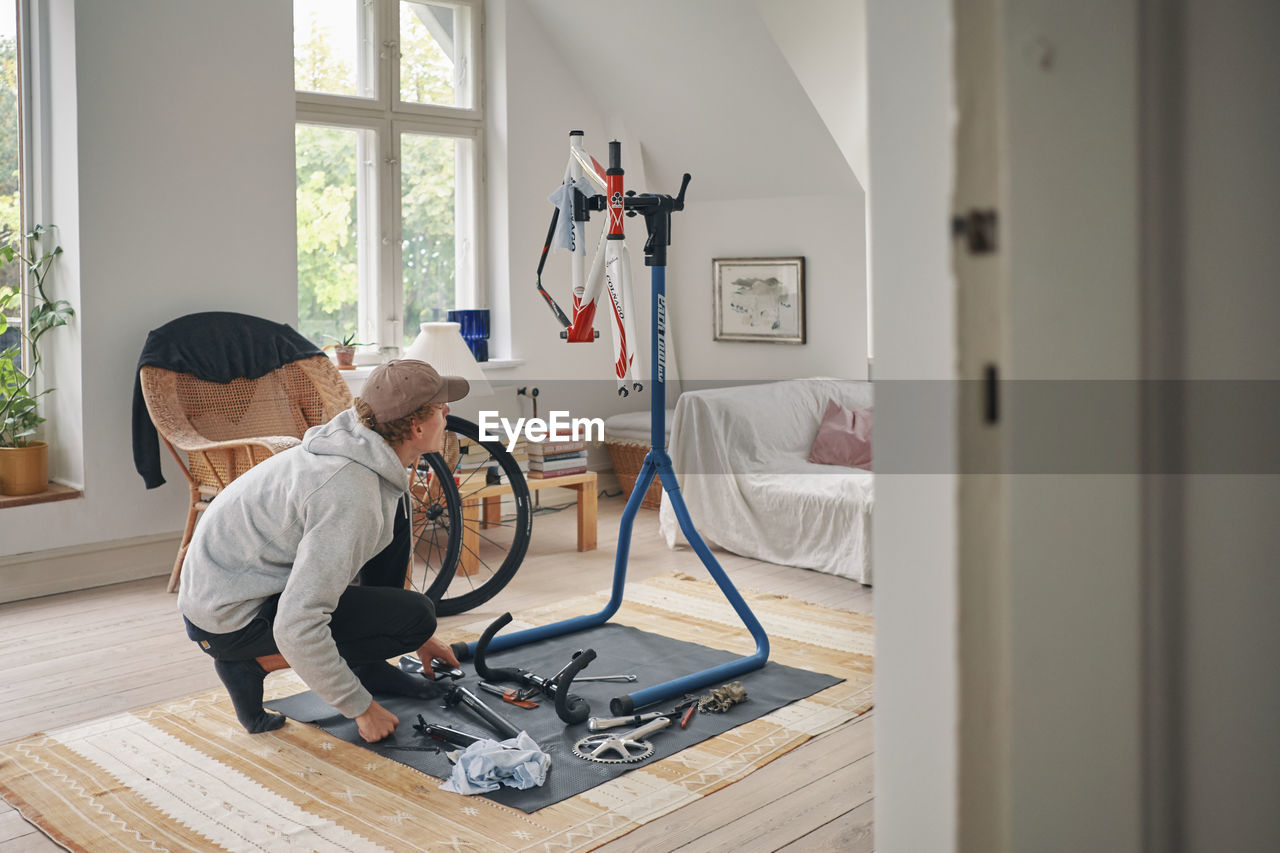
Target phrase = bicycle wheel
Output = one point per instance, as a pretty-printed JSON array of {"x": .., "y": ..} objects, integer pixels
[
  {"x": 493, "y": 521},
  {"x": 437, "y": 539}
]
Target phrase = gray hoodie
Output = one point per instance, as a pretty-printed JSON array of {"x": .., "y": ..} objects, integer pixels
[{"x": 301, "y": 524}]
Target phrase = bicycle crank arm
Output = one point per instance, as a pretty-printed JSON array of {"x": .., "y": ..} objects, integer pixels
[{"x": 448, "y": 735}]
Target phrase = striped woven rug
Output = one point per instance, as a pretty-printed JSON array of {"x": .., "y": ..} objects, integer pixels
[{"x": 184, "y": 776}]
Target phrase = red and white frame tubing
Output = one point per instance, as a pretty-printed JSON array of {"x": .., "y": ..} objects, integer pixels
[{"x": 613, "y": 190}]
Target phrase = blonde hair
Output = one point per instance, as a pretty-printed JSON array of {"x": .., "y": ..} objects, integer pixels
[{"x": 395, "y": 432}]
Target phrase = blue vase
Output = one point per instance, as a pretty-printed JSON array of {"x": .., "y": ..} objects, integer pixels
[{"x": 474, "y": 326}]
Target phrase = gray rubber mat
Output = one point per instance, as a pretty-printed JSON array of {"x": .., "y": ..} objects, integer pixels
[{"x": 619, "y": 649}]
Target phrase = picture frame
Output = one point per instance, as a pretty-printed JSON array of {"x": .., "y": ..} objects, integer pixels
[{"x": 758, "y": 299}]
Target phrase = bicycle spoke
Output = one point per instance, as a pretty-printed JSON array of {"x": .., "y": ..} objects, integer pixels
[
  {"x": 494, "y": 542},
  {"x": 481, "y": 561},
  {"x": 508, "y": 523},
  {"x": 432, "y": 546}
]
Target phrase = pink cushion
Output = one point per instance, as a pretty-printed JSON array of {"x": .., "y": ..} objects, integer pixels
[{"x": 844, "y": 437}]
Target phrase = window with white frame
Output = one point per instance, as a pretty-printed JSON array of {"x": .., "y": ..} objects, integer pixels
[
  {"x": 11, "y": 280},
  {"x": 388, "y": 155}
]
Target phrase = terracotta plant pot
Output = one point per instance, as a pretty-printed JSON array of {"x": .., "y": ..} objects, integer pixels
[
  {"x": 24, "y": 470},
  {"x": 346, "y": 356}
]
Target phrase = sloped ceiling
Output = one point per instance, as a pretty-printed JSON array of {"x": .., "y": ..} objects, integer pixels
[
  {"x": 705, "y": 89},
  {"x": 825, "y": 43}
]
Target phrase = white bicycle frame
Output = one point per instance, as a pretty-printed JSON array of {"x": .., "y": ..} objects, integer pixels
[{"x": 610, "y": 267}]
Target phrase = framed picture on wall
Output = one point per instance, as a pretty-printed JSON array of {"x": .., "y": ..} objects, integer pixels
[{"x": 758, "y": 299}]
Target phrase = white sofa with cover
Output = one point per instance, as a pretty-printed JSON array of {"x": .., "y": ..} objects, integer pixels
[{"x": 741, "y": 455}]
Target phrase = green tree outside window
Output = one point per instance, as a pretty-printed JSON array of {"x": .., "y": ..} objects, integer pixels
[
  {"x": 10, "y": 183},
  {"x": 326, "y": 163}
]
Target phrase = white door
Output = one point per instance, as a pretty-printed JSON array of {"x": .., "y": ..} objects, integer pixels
[
  {"x": 1050, "y": 605},
  {"x": 1118, "y": 688}
]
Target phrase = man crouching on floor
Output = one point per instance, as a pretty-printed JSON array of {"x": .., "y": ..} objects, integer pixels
[{"x": 268, "y": 578}]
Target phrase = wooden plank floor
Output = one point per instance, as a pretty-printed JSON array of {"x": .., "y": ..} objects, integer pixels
[{"x": 70, "y": 658}]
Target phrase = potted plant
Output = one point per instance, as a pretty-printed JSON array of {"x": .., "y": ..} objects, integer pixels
[
  {"x": 344, "y": 350},
  {"x": 24, "y": 460}
]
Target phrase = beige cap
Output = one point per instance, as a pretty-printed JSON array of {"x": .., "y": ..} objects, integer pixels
[{"x": 403, "y": 386}]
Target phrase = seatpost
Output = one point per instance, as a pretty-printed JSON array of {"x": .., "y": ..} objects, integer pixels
[{"x": 613, "y": 189}]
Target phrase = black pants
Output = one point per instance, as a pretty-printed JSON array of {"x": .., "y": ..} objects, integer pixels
[{"x": 373, "y": 621}]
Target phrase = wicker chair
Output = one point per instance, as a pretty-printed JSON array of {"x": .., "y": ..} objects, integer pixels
[{"x": 223, "y": 430}]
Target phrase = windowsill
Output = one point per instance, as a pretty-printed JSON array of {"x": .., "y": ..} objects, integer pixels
[
  {"x": 362, "y": 371},
  {"x": 55, "y": 492},
  {"x": 501, "y": 363}
]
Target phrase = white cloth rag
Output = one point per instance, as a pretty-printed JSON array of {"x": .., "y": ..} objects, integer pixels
[{"x": 517, "y": 762}]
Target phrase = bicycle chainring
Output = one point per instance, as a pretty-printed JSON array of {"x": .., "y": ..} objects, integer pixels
[{"x": 611, "y": 749}]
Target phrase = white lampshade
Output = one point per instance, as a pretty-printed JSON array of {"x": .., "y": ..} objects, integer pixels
[{"x": 441, "y": 346}]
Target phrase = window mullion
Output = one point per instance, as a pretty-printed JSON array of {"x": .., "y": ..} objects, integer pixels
[
  {"x": 369, "y": 155},
  {"x": 369, "y": 35},
  {"x": 465, "y": 279},
  {"x": 391, "y": 299},
  {"x": 392, "y": 290},
  {"x": 391, "y": 54}
]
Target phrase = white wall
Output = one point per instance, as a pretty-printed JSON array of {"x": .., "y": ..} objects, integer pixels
[
  {"x": 539, "y": 103},
  {"x": 825, "y": 43},
  {"x": 183, "y": 176},
  {"x": 533, "y": 102},
  {"x": 705, "y": 87},
  {"x": 781, "y": 188},
  {"x": 821, "y": 228},
  {"x": 909, "y": 72}
]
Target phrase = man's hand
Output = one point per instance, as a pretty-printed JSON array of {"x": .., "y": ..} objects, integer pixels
[
  {"x": 376, "y": 723},
  {"x": 436, "y": 648}
]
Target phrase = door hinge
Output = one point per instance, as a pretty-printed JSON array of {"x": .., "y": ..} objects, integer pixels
[{"x": 978, "y": 228}]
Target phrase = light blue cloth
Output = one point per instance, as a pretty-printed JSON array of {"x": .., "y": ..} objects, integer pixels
[
  {"x": 566, "y": 229},
  {"x": 516, "y": 762}
]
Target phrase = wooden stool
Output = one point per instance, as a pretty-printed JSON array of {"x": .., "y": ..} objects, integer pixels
[{"x": 482, "y": 508}]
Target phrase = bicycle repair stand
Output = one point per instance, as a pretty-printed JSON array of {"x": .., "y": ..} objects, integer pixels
[{"x": 656, "y": 210}]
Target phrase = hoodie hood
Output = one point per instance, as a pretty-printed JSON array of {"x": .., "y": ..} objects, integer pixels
[{"x": 346, "y": 437}]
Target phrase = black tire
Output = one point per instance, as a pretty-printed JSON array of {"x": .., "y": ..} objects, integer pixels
[{"x": 499, "y": 547}]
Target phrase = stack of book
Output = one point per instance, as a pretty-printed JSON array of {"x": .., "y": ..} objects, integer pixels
[
  {"x": 470, "y": 456},
  {"x": 549, "y": 459}
]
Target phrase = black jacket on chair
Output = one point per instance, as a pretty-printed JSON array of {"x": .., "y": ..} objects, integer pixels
[{"x": 215, "y": 346}]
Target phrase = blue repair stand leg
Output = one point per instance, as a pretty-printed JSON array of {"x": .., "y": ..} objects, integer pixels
[{"x": 657, "y": 463}]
